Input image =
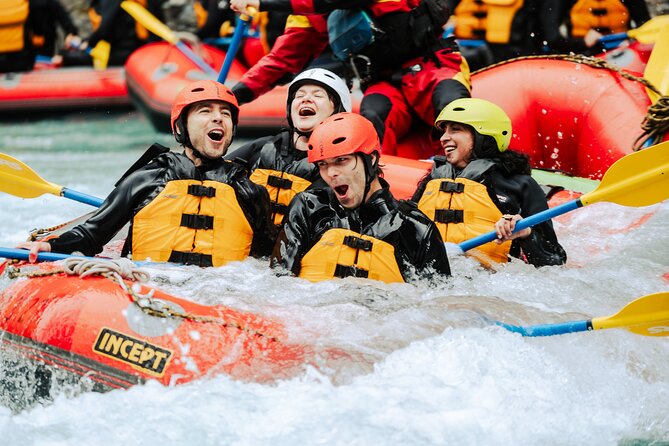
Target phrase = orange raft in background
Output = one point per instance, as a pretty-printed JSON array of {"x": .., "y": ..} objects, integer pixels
[{"x": 68, "y": 88}]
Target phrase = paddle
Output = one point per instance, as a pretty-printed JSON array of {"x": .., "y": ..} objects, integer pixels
[
  {"x": 19, "y": 180},
  {"x": 100, "y": 54},
  {"x": 657, "y": 68},
  {"x": 647, "y": 316},
  {"x": 240, "y": 30},
  {"x": 646, "y": 33},
  {"x": 22, "y": 254},
  {"x": 150, "y": 22},
  {"x": 638, "y": 179}
]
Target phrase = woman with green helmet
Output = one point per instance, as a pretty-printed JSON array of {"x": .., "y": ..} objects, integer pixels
[{"x": 478, "y": 186}]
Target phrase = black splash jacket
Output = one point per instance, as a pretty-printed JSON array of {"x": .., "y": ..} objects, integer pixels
[
  {"x": 143, "y": 185},
  {"x": 512, "y": 193},
  {"x": 418, "y": 245}
]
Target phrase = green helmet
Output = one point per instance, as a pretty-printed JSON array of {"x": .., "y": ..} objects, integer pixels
[{"x": 485, "y": 117}]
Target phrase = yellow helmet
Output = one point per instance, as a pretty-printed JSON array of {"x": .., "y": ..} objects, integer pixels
[{"x": 485, "y": 117}]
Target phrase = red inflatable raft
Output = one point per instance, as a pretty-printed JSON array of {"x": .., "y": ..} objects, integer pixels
[
  {"x": 93, "y": 329},
  {"x": 63, "y": 88}
]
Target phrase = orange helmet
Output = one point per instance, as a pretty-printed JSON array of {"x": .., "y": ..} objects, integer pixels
[
  {"x": 343, "y": 134},
  {"x": 206, "y": 90}
]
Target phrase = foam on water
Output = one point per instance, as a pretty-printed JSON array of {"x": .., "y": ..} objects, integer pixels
[{"x": 417, "y": 364}]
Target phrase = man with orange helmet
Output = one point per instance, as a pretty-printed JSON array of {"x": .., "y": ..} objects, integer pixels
[
  {"x": 355, "y": 227},
  {"x": 191, "y": 207}
]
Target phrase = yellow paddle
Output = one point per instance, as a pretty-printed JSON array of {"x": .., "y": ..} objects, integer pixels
[
  {"x": 100, "y": 55},
  {"x": 657, "y": 69},
  {"x": 150, "y": 22},
  {"x": 638, "y": 179},
  {"x": 646, "y": 33},
  {"x": 21, "y": 181},
  {"x": 647, "y": 316}
]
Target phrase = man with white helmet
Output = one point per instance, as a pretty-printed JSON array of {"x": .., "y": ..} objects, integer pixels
[
  {"x": 279, "y": 162},
  {"x": 355, "y": 227},
  {"x": 191, "y": 207}
]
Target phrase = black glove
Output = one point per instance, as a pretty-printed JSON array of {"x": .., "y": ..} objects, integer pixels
[{"x": 242, "y": 93}]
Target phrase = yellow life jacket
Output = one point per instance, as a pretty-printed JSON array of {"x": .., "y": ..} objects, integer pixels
[
  {"x": 13, "y": 16},
  {"x": 201, "y": 14},
  {"x": 462, "y": 209},
  {"x": 488, "y": 20},
  {"x": 192, "y": 221},
  {"x": 140, "y": 30},
  {"x": 344, "y": 253},
  {"x": 282, "y": 187},
  {"x": 605, "y": 16}
]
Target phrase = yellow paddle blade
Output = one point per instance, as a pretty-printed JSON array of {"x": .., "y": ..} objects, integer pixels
[
  {"x": 149, "y": 21},
  {"x": 649, "y": 31},
  {"x": 100, "y": 55},
  {"x": 638, "y": 179},
  {"x": 648, "y": 316},
  {"x": 657, "y": 69},
  {"x": 21, "y": 181}
]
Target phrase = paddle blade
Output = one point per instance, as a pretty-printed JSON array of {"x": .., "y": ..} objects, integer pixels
[
  {"x": 649, "y": 31},
  {"x": 648, "y": 316},
  {"x": 100, "y": 55},
  {"x": 149, "y": 21},
  {"x": 657, "y": 69},
  {"x": 21, "y": 181},
  {"x": 637, "y": 179}
]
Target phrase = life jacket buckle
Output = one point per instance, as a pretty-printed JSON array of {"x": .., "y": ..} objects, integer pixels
[
  {"x": 449, "y": 216},
  {"x": 452, "y": 187},
  {"x": 357, "y": 243}
]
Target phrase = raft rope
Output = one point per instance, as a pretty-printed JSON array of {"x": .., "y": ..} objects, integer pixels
[
  {"x": 656, "y": 122},
  {"x": 121, "y": 269}
]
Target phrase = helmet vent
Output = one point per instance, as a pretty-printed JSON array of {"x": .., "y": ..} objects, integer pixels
[
  {"x": 339, "y": 140},
  {"x": 197, "y": 90},
  {"x": 458, "y": 109},
  {"x": 504, "y": 132}
]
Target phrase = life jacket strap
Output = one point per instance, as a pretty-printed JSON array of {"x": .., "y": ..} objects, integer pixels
[
  {"x": 342, "y": 271},
  {"x": 195, "y": 221},
  {"x": 449, "y": 216},
  {"x": 191, "y": 258},
  {"x": 281, "y": 183},
  {"x": 357, "y": 243},
  {"x": 201, "y": 191},
  {"x": 452, "y": 187}
]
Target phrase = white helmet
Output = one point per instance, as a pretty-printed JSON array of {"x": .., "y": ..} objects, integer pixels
[{"x": 333, "y": 84}]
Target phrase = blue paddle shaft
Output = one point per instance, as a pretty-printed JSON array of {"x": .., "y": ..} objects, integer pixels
[
  {"x": 197, "y": 60},
  {"x": 81, "y": 197},
  {"x": 240, "y": 30},
  {"x": 22, "y": 254},
  {"x": 612, "y": 40},
  {"x": 548, "y": 329},
  {"x": 527, "y": 222}
]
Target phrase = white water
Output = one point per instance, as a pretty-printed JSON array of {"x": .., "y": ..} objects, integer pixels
[{"x": 424, "y": 369}]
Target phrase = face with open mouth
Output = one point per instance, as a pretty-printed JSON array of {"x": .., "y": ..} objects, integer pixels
[
  {"x": 346, "y": 177},
  {"x": 310, "y": 106},
  {"x": 458, "y": 143},
  {"x": 210, "y": 128}
]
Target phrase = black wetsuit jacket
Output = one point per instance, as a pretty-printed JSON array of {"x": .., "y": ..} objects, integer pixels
[
  {"x": 418, "y": 245},
  {"x": 512, "y": 193},
  {"x": 139, "y": 188}
]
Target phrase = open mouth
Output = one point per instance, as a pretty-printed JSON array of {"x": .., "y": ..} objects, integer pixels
[
  {"x": 341, "y": 190},
  {"x": 307, "y": 111},
  {"x": 216, "y": 135}
]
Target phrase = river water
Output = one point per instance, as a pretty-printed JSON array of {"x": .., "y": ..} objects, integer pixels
[{"x": 425, "y": 367}]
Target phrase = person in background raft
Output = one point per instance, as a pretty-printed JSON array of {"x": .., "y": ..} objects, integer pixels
[
  {"x": 355, "y": 227},
  {"x": 190, "y": 207},
  {"x": 112, "y": 24},
  {"x": 479, "y": 185},
  {"x": 45, "y": 17},
  {"x": 586, "y": 21},
  {"x": 407, "y": 71},
  {"x": 16, "y": 50},
  {"x": 279, "y": 162}
]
